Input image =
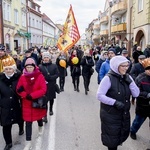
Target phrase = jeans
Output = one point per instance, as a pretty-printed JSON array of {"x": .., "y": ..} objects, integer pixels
[{"x": 137, "y": 122}]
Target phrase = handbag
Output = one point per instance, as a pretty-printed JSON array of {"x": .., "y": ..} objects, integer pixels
[
  {"x": 91, "y": 71},
  {"x": 40, "y": 102},
  {"x": 57, "y": 89}
]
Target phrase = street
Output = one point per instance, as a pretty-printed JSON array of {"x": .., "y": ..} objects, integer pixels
[{"x": 75, "y": 124}]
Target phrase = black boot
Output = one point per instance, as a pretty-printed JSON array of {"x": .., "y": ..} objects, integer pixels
[
  {"x": 51, "y": 113},
  {"x": 45, "y": 119},
  {"x": 86, "y": 93},
  {"x": 75, "y": 87},
  {"x": 8, "y": 146},
  {"x": 78, "y": 89}
]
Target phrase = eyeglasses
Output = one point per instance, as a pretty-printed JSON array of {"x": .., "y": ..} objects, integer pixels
[{"x": 124, "y": 66}]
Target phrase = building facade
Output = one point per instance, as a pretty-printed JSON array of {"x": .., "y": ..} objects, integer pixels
[
  {"x": 141, "y": 22},
  {"x": 14, "y": 24}
]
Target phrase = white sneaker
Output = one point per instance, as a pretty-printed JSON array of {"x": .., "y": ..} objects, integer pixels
[
  {"x": 28, "y": 145},
  {"x": 41, "y": 129}
]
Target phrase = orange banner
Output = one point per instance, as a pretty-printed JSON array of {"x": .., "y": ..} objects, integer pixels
[{"x": 70, "y": 35}]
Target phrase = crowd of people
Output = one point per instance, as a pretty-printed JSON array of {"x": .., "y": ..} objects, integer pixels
[
  {"x": 122, "y": 80},
  {"x": 26, "y": 78}
]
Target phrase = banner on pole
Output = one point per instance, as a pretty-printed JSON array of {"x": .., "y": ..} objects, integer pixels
[{"x": 70, "y": 35}]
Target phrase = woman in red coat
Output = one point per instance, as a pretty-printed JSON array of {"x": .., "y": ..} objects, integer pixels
[{"x": 31, "y": 86}]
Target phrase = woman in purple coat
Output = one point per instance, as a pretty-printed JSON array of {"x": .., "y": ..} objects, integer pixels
[{"x": 114, "y": 93}]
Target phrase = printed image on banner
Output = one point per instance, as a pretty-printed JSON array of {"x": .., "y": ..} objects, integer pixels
[{"x": 70, "y": 35}]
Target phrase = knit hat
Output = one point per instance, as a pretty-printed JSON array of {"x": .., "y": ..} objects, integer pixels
[
  {"x": 42, "y": 51},
  {"x": 112, "y": 49},
  {"x": 116, "y": 61},
  {"x": 141, "y": 57},
  {"x": 104, "y": 52},
  {"x": 46, "y": 54},
  {"x": 30, "y": 61},
  {"x": 146, "y": 63},
  {"x": 9, "y": 63},
  {"x": 124, "y": 51},
  {"x": 2, "y": 47},
  {"x": 14, "y": 53}
]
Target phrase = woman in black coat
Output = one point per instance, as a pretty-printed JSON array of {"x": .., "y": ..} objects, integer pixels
[
  {"x": 75, "y": 69},
  {"x": 62, "y": 69},
  {"x": 50, "y": 72},
  {"x": 87, "y": 70},
  {"x": 10, "y": 107}
]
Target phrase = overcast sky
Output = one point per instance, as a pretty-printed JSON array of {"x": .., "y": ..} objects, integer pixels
[{"x": 84, "y": 10}]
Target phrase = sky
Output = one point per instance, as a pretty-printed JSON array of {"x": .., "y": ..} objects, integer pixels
[{"x": 84, "y": 11}]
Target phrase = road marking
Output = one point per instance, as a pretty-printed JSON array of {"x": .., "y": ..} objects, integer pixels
[{"x": 51, "y": 135}]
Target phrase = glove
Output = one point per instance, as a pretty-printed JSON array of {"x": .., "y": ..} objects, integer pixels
[
  {"x": 29, "y": 97},
  {"x": 119, "y": 105},
  {"x": 148, "y": 95},
  {"x": 20, "y": 89},
  {"x": 127, "y": 79}
]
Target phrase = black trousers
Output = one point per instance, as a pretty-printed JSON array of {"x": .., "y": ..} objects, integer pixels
[
  {"x": 115, "y": 148},
  {"x": 51, "y": 102},
  {"x": 29, "y": 129},
  {"x": 76, "y": 80},
  {"x": 61, "y": 82},
  {"x": 86, "y": 80},
  {"x": 7, "y": 132}
]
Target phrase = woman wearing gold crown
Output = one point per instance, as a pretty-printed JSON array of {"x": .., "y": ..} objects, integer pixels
[{"x": 10, "y": 108}]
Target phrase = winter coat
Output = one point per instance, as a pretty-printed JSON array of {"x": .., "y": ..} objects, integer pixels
[
  {"x": 75, "y": 69},
  {"x": 87, "y": 63},
  {"x": 136, "y": 70},
  {"x": 104, "y": 69},
  {"x": 62, "y": 70},
  {"x": 10, "y": 107},
  {"x": 136, "y": 54},
  {"x": 50, "y": 72},
  {"x": 147, "y": 52},
  {"x": 115, "y": 123},
  {"x": 35, "y": 85},
  {"x": 142, "y": 102}
]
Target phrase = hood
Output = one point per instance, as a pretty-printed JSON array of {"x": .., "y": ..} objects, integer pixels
[{"x": 116, "y": 61}]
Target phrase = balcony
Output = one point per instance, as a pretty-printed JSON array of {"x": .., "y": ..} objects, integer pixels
[
  {"x": 104, "y": 19},
  {"x": 95, "y": 37},
  {"x": 119, "y": 28},
  {"x": 96, "y": 27},
  {"x": 119, "y": 8},
  {"x": 103, "y": 32}
]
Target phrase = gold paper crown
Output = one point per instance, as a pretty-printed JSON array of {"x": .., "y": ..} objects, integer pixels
[
  {"x": 146, "y": 63},
  {"x": 8, "y": 62}
]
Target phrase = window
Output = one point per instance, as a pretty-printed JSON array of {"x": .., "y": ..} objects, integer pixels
[
  {"x": 23, "y": 19},
  {"x": 6, "y": 11},
  {"x": 33, "y": 23},
  {"x": 140, "y": 5},
  {"x": 16, "y": 16},
  {"x": 23, "y": 1}
]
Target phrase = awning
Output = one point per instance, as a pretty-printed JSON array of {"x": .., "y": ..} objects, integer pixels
[{"x": 22, "y": 34}]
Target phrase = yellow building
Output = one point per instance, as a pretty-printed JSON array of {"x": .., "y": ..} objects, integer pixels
[
  {"x": 14, "y": 21},
  {"x": 141, "y": 22}
]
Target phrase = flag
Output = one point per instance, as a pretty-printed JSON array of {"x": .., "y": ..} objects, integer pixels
[{"x": 70, "y": 35}]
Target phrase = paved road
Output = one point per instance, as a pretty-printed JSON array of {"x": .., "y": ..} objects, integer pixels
[{"x": 75, "y": 124}]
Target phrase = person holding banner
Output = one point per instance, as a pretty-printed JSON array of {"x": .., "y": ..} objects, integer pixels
[
  {"x": 75, "y": 69},
  {"x": 62, "y": 64}
]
